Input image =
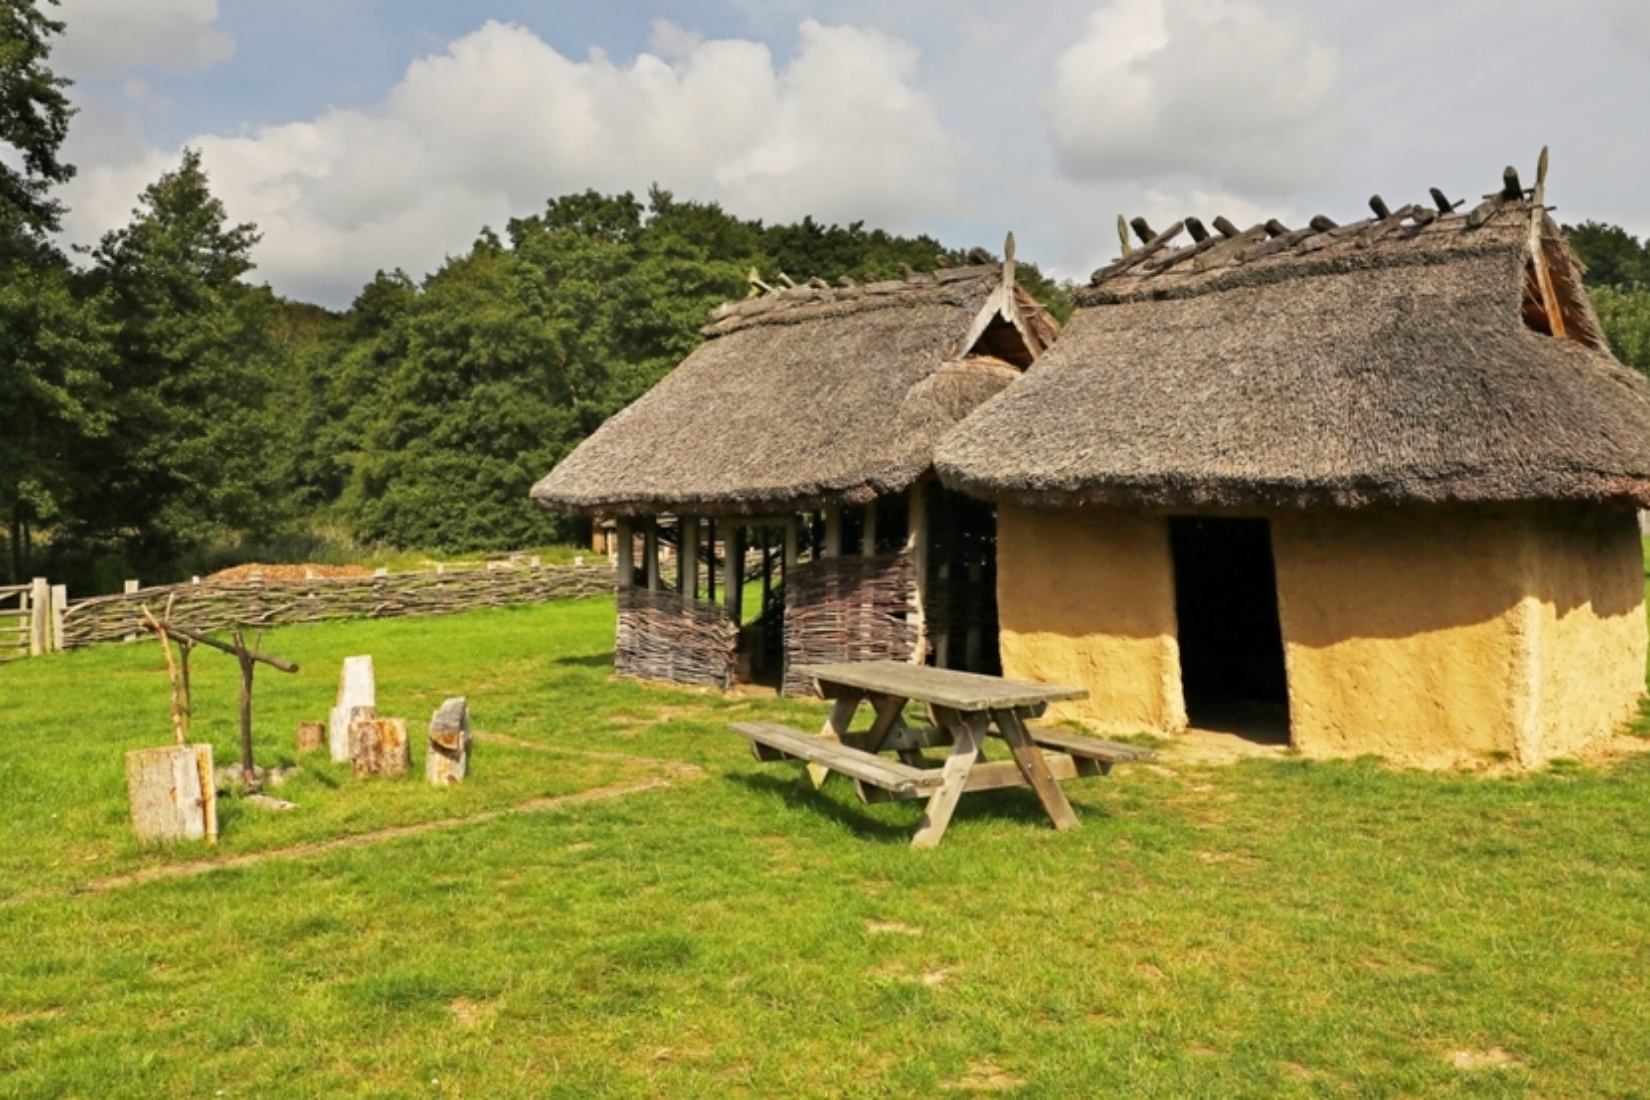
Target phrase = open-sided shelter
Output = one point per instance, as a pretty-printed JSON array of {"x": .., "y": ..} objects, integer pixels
[
  {"x": 791, "y": 450},
  {"x": 1370, "y": 486}
]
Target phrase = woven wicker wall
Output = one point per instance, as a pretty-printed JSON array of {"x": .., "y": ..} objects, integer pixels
[
  {"x": 848, "y": 609},
  {"x": 662, "y": 638}
]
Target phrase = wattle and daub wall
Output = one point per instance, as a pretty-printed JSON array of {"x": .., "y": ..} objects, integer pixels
[{"x": 1432, "y": 636}]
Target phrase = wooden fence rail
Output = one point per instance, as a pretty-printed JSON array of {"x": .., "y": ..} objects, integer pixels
[
  {"x": 16, "y": 622},
  {"x": 220, "y": 605}
]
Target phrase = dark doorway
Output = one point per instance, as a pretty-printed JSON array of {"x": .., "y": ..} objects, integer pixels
[{"x": 1226, "y": 608}]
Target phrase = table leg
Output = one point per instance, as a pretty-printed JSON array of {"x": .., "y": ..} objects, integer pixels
[
  {"x": 966, "y": 731},
  {"x": 1035, "y": 768},
  {"x": 842, "y": 715}
]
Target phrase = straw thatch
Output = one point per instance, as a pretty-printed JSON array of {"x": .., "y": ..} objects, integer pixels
[
  {"x": 805, "y": 397},
  {"x": 1403, "y": 358}
]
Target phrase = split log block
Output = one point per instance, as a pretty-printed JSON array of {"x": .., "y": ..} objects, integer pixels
[
  {"x": 448, "y": 759},
  {"x": 356, "y": 688},
  {"x": 172, "y": 794},
  {"x": 378, "y": 746},
  {"x": 311, "y": 736}
]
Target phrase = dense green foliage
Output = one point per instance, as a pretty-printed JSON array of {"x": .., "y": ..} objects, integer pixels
[{"x": 1618, "y": 279}]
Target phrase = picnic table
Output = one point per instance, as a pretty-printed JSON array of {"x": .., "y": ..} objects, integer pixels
[{"x": 966, "y": 709}]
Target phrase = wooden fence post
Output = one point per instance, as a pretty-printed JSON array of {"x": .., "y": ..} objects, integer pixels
[
  {"x": 60, "y": 604},
  {"x": 40, "y": 618},
  {"x": 130, "y": 588}
]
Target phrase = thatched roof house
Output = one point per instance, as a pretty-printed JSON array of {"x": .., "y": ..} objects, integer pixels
[
  {"x": 800, "y": 403},
  {"x": 1378, "y": 478}
]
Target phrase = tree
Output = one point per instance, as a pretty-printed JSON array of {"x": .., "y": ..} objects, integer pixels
[
  {"x": 1613, "y": 256},
  {"x": 34, "y": 120},
  {"x": 191, "y": 457}
]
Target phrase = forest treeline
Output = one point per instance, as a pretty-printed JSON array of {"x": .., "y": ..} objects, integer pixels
[{"x": 161, "y": 412}]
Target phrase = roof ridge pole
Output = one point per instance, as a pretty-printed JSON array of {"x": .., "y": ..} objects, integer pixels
[{"x": 1538, "y": 253}]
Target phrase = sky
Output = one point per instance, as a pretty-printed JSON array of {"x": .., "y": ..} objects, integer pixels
[{"x": 362, "y": 135}]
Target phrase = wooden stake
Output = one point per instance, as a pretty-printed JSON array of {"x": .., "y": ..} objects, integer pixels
[
  {"x": 627, "y": 553},
  {"x": 687, "y": 558}
]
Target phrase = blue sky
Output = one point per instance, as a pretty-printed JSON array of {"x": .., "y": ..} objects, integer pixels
[{"x": 367, "y": 134}]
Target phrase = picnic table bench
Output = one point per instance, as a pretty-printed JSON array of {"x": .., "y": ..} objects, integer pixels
[{"x": 966, "y": 708}]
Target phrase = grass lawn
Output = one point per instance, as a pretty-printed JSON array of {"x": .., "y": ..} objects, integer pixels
[{"x": 1276, "y": 928}]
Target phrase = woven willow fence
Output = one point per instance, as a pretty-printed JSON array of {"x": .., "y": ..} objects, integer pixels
[
  {"x": 222, "y": 605},
  {"x": 662, "y": 637},
  {"x": 848, "y": 609}
]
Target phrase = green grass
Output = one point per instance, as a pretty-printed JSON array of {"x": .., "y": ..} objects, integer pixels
[{"x": 1277, "y": 928}]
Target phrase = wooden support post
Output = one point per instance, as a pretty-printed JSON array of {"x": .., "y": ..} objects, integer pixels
[
  {"x": 710, "y": 560},
  {"x": 687, "y": 559},
  {"x": 650, "y": 551},
  {"x": 833, "y": 532},
  {"x": 868, "y": 542},
  {"x": 733, "y": 587},
  {"x": 60, "y": 604},
  {"x": 40, "y": 617},
  {"x": 790, "y": 547},
  {"x": 916, "y": 544},
  {"x": 627, "y": 553},
  {"x": 767, "y": 567}
]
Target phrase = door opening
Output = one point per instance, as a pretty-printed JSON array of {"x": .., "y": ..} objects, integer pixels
[{"x": 1231, "y": 642}]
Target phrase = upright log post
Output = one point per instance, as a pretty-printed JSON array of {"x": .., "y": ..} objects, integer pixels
[
  {"x": 687, "y": 558},
  {"x": 733, "y": 594},
  {"x": 833, "y": 532},
  {"x": 627, "y": 553},
  {"x": 40, "y": 622},
  {"x": 711, "y": 526},
  {"x": 60, "y": 604},
  {"x": 243, "y": 656},
  {"x": 868, "y": 543},
  {"x": 916, "y": 544},
  {"x": 650, "y": 551}
]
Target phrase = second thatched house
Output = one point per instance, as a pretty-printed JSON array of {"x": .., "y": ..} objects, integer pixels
[
  {"x": 1369, "y": 488},
  {"x": 794, "y": 450}
]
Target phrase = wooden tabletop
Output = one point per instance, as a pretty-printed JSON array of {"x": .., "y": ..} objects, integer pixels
[{"x": 963, "y": 691}]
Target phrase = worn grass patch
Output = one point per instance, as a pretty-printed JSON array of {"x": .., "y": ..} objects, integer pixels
[{"x": 1274, "y": 928}]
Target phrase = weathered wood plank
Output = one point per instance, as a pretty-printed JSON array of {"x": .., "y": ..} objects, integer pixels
[
  {"x": 838, "y": 757},
  {"x": 985, "y": 777},
  {"x": 1092, "y": 748},
  {"x": 963, "y": 691}
]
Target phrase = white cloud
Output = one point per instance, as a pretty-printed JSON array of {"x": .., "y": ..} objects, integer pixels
[
  {"x": 109, "y": 37},
  {"x": 1632, "y": 18},
  {"x": 501, "y": 121},
  {"x": 1218, "y": 90}
]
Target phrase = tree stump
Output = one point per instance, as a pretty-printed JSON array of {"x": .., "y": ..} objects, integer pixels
[
  {"x": 311, "y": 736},
  {"x": 448, "y": 759},
  {"x": 356, "y": 688},
  {"x": 378, "y": 746},
  {"x": 172, "y": 794}
]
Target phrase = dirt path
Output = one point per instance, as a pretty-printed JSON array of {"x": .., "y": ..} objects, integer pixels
[{"x": 673, "y": 770}]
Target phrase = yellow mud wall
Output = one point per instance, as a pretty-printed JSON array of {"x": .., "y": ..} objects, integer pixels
[
  {"x": 1086, "y": 598},
  {"x": 1441, "y": 636},
  {"x": 1588, "y": 568}
]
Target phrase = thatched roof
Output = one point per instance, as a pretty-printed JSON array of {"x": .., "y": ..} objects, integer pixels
[
  {"x": 808, "y": 396},
  {"x": 1407, "y": 357}
]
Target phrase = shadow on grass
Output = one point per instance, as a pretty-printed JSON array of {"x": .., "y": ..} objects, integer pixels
[
  {"x": 1013, "y": 806},
  {"x": 592, "y": 660}
]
